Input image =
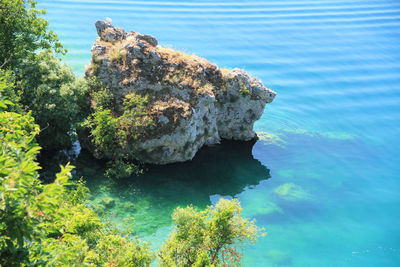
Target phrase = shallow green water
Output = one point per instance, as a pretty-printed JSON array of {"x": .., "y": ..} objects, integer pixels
[
  {"x": 227, "y": 169},
  {"x": 325, "y": 182}
]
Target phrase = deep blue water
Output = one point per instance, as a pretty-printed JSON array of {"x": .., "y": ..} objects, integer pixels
[{"x": 325, "y": 180}]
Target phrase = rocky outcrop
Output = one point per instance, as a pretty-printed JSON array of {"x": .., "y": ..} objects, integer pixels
[{"x": 191, "y": 101}]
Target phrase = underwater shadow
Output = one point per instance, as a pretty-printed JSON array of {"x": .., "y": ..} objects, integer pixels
[{"x": 225, "y": 169}]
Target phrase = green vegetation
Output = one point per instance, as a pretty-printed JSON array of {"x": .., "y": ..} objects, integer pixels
[
  {"x": 244, "y": 92},
  {"x": 102, "y": 98},
  {"x": 50, "y": 224},
  {"x": 122, "y": 167},
  {"x": 104, "y": 130},
  {"x": 51, "y": 91},
  {"x": 37, "y": 80},
  {"x": 111, "y": 134},
  {"x": 23, "y": 31},
  {"x": 8, "y": 93},
  {"x": 116, "y": 52},
  {"x": 208, "y": 238},
  {"x": 136, "y": 121},
  {"x": 243, "y": 89}
]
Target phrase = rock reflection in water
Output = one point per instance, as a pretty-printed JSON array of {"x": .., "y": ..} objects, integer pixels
[{"x": 225, "y": 169}]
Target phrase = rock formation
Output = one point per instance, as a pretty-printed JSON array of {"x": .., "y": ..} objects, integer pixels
[{"x": 191, "y": 101}]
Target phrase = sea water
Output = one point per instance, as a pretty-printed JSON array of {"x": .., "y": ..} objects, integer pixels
[{"x": 323, "y": 179}]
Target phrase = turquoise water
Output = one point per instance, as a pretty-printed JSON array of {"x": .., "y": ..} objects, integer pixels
[{"x": 325, "y": 182}]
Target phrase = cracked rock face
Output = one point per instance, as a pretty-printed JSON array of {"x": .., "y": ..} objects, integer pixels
[{"x": 192, "y": 101}]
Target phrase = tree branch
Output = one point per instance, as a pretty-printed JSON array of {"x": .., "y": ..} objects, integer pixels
[
  {"x": 5, "y": 62},
  {"x": 161, "y": 257},
  {"x": 41, "y": 130}
]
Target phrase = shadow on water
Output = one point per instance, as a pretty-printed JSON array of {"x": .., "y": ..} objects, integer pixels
[{"x": 225, "y": 169}]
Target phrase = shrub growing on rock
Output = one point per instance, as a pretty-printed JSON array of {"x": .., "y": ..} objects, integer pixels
[{"x": 111, "y": 132}]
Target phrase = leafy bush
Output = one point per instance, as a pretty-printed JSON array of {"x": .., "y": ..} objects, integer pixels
[
  {"x": 112, "y": 134},
  {"x": 51, "y": 91},
  {"x": 122, "y": 168},
  {"x": 22, "y": 202},
  {"x": 209, "y": 237},
  {"x": 135, "y": 121},
  {"x": 7, "y": 90},
  {"x": 23, "y": 32},
  {"x": 103, "y": 99},
  {"x": 42, "y": 85},
  {"x": 104, "y": 130}
]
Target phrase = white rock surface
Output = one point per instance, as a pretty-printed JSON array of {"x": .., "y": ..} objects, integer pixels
[{"x": 194, "y": 102}]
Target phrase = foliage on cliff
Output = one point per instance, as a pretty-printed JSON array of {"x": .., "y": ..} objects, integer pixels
[{"x": 110, "y": 133}]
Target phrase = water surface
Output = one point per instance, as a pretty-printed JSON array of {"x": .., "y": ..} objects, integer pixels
[{"x": 324, "y": 181}]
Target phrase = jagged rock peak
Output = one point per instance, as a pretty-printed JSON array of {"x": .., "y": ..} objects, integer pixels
[
  {"x": 190, "y": 101},
  {"x": 110, "y": 33}
]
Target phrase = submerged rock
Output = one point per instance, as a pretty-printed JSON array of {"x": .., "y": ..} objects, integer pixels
[
  {"x": 189, "y": 101},
  {"x": 108, "y": 202},
  {"x": 292, "y": 192},
  {"x": 279, "y": 258}
]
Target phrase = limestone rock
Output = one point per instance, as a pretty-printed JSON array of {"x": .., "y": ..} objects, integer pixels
[
  {"x": 192, "y": 101},
  {"x": 109, "y": 33}
]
